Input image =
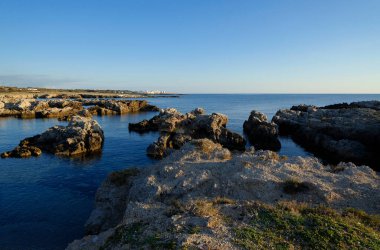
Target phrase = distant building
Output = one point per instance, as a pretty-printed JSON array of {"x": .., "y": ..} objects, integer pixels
[{"x": 154, "y": 92}]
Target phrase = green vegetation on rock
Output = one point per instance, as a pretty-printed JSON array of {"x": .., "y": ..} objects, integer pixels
[{"x": 293, "y": 226}]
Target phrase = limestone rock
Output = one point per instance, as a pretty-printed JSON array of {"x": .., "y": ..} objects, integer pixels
[
  {"x": 343, "y": 132},
  {"x": 177, "y": 128},
  {"x": 261, "y": 133},
  {"x": 81, "y": 136},
  {"x": 188, "y": 196}
]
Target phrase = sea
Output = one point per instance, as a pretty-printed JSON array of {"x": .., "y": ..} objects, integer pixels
[{"x": 45, "y": 201}]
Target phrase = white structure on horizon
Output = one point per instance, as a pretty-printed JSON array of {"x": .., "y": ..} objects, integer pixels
[{"x": 154, "y": 92}]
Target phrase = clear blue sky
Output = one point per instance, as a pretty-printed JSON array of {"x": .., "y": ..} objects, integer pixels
[{"x": 234, "y": 46}]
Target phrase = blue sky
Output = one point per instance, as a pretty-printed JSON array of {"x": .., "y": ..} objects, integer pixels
[{"x": 193, "y": 46}]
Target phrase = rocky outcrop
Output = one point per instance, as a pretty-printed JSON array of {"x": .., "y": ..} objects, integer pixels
[
  {"x": 261, "y": 133},
  {"x": 112, "y": 107},
  {"x": 64, "y": 108},
  {"x": 32, "y": 108},
  {"x": 364, "y": 104},
  {"x": 81, "y": 136},
  {"x": 110, "y": 201},
  {"x": 343, "y": 132},
  {"x": 176, "y": 129},
  {"x": 201, "y": 194}
]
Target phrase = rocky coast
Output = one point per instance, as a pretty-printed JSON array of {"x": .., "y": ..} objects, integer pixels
[
  {"x": 208, "y": 190},
  {"x": 339, "y": 132},
  {"x": 63, "y": 108},
  {"x": 176, "y": 129},
  {"x": 203, "y": 196}
]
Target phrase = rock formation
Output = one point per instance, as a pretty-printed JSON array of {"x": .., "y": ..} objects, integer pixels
[
  {"x": 201, "y": 194},
  {"x": 112, "y": 107},
  {"x": 176, "y": 129},
  {"x": 261, "y": 133},
  {"x": 342, "y": 132},
  {"x": 63, "y": 108},
  {"x": 81, "y": 136}
]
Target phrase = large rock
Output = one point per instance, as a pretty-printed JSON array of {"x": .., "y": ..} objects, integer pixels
[
  {"x": 199, "y": 196},
  {"x": 63, "y": 108},
  {"x": 81, "y": 136},
  {"x": 343, "y": 132},
  {"x": 110, "y": 201},
  {"x": 261, "y": 133},
  {"x": 111, "y": 107},
  {"x": 176, "y": 129}
]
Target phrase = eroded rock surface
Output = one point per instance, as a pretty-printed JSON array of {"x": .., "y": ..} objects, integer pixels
[
  {"x": 177, "y": 129},
  {"x": 81, "y": 136},
  {"x": 112, "y": 107},
  {"x": 342, "y": 132},
  {"x": 261, "y": 133},
  {"x": 64, "y": 108},
  {"x": 198, "y": 196}
]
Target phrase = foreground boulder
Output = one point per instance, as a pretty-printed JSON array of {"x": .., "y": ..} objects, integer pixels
[
  {"x": 261, "y": 133},
  {"x": 204, "y": 197},
  {"x": 343, "y": 132},
  {"x": 81, "y": 136},
  {"x": 177, "y": 129}
]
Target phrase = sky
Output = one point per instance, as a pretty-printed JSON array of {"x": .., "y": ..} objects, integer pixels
[{"x": 193, "y": 46}]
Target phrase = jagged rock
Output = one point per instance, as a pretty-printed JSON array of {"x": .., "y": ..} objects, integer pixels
[
  {"x": 159, "y": 148},
  {"x": 64, "y": 108},
  {"x": 177, "y": 128},
  {"x": 106, "y": 107},
  {"x": 22, "y": 152},
  {"x": 81, "y": 136},
  {"x": 364, "y": 104},
  {"x": 110, "y": 201},
  {"x": 344, "y": 132},
  {"x": 201, "y": 184},
  {"x": 261, "y": 133},
  {"x": 83, "y": 113}
]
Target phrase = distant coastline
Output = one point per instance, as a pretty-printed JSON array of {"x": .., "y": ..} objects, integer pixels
[{"x": 82, "y": 93}]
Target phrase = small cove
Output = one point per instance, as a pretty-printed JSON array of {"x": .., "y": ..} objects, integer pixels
[{"x": 45, "y": 201}]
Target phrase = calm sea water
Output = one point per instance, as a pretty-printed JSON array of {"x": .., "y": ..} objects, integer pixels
[{"x": 45, "y": 201}]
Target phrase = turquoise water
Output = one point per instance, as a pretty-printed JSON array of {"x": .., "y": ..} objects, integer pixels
[{"x": 45, "y": 201}]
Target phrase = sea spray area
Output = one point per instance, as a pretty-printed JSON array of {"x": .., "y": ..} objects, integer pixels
[{"x": 47, "y": 200}]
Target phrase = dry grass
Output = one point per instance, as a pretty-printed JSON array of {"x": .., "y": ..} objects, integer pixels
[{"x": 208, "y": 210}]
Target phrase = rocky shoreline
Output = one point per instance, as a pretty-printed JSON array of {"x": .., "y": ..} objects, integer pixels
[
  {"x": 202, "y": 196},
  {"x": 209, "y": 191},
  {"x": 340, "y": 132},
  {"x": 63, "y": 108}
]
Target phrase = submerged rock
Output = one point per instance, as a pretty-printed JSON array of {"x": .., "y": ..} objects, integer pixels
[
  {"x": 176, "y": 129},
  {"x": 261, "y": 133},
  {"x": 343, "y": 132},
  {"x": 201, "y": 194},
  {"x": 81, "y": 136}
]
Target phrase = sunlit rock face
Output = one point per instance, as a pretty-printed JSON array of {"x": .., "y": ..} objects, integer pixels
[
  {"x": 82, "y": 135},
  {"x": 201, "y": 193},
  {"x": 177, "y": 129}
]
